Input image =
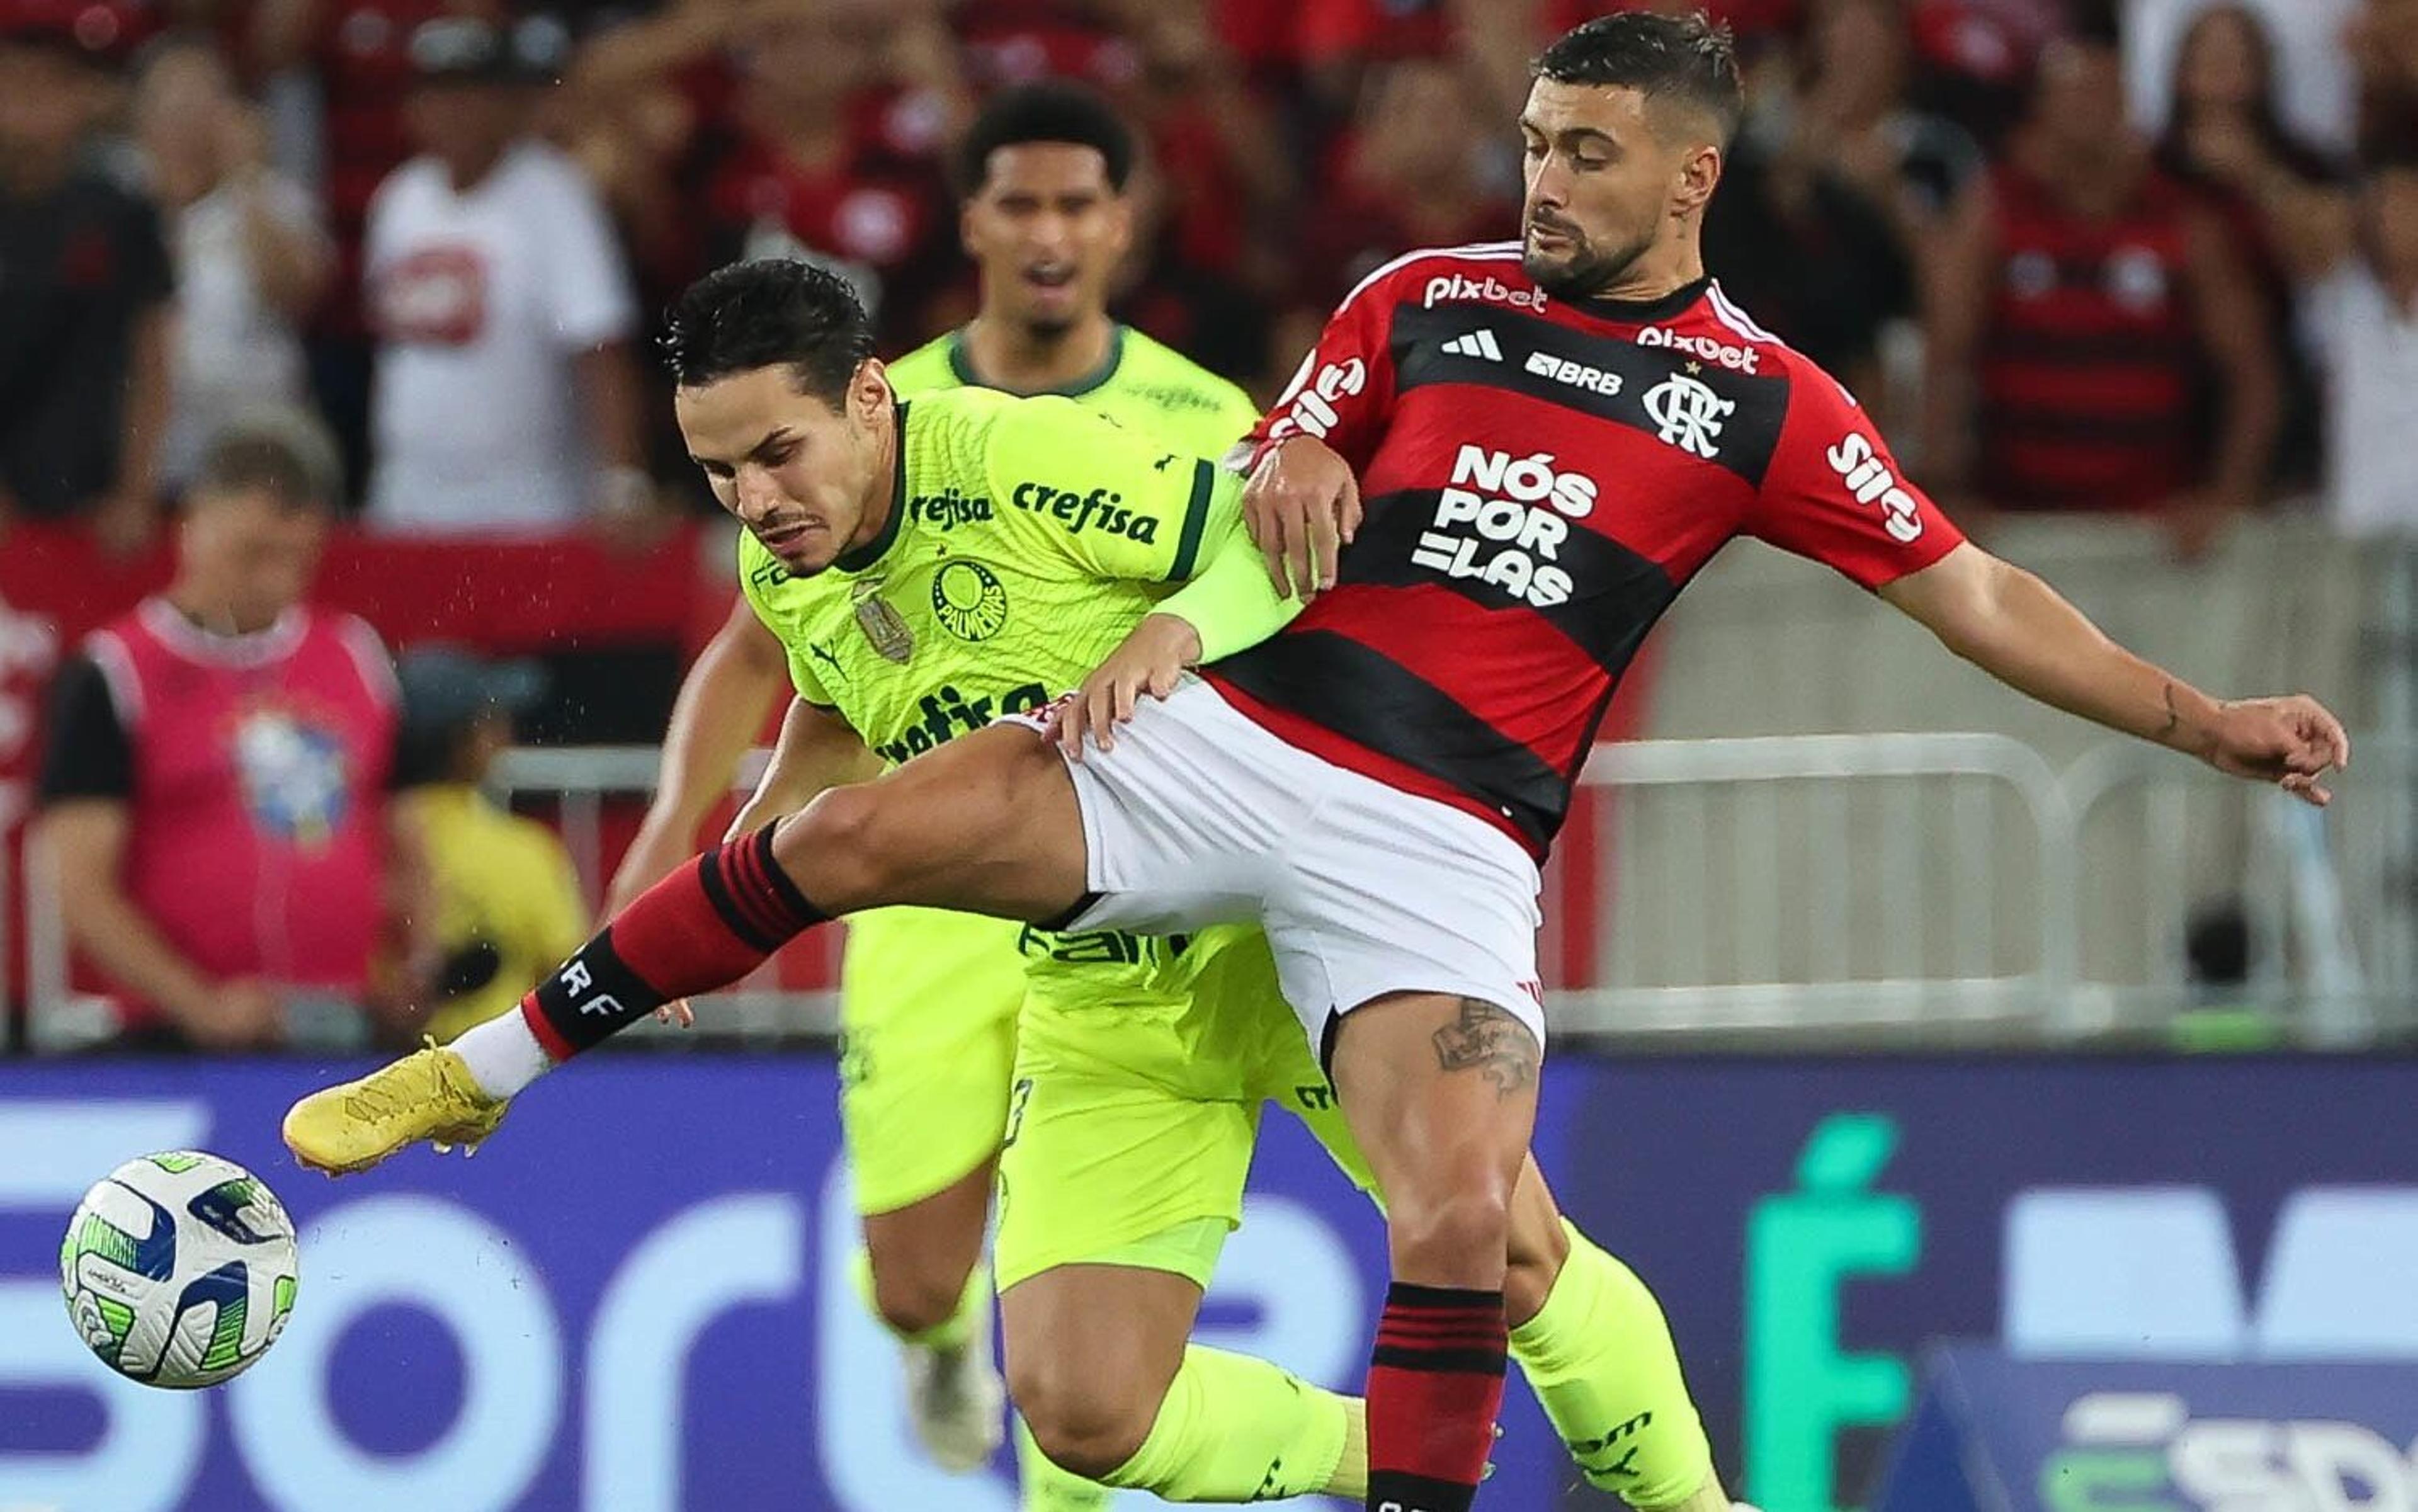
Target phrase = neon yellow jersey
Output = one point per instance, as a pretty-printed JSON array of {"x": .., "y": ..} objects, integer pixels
[
  {"x": 1026, "y": 538},
  {"x": 1144, "y": 385}
]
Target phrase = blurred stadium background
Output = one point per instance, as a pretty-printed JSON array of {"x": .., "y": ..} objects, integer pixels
[{"x": 2007, "y": 1116}]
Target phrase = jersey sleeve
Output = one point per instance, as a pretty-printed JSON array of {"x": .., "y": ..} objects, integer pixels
[
  {"x": 87, "y": 753},
  {"x": 1231, "y": 602},
  {"x": 1344, "y": 389},
  {"x": 1234, "y": 418},
  {"x": 805, "y": 680},
  {"x": 1834, "y": 494},
  {"x": 752, "y": 560},
  {"x": 1107, "y": 502}
]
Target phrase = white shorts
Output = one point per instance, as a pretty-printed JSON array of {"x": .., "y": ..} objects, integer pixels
[{"x": 1200, "y": 816}]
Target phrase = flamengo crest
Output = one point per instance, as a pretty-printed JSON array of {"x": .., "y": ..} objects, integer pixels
[{"x": 1689, "y": 414}]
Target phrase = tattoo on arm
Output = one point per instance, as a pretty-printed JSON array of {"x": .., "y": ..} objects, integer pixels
[{"x": 1490, "y": 1042}]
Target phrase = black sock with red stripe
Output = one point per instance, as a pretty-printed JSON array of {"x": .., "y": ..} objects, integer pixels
[
  {"x": 1436, "y": 1384},
  {"x": 704, "y": 927}
]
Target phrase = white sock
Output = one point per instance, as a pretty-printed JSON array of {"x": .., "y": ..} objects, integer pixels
[{"x": 503, "y": 1056}]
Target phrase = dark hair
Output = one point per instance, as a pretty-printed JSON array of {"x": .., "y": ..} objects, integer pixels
[
  {"x": 2266, "y": 121},
  {"x": 1051, "y": 110},
  {"x": 775, "y": 311},
  {"x": 1689, "y": 59},
  {"x": 2098, "y": 25},
  {"x": 285, "y": 451}
]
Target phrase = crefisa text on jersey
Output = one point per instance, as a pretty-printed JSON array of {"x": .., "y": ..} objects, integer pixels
[
  {"x": 1503, "y": 521},
  {"x": 948, "y": 509},
  {"x": 1097, "y": 509}
]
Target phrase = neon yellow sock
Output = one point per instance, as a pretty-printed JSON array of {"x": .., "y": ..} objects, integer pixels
[
  {"x": 955, "y": 1330},
  {"x": 1048, "y": 1489},
  {"x": 1599, "y": 1358},
  {"x": 1237, "y": 1430}
]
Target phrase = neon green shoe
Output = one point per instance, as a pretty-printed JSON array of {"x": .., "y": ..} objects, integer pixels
[{"x": 428, "y": 1094}]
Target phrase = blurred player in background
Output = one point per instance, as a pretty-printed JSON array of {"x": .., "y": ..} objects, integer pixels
[{"x": 929, "y": 1000}]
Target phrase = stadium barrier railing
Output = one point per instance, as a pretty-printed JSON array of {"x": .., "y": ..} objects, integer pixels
[
  {"x": 1895, "y": 890},
  {"x": 1834, "y": 882}
]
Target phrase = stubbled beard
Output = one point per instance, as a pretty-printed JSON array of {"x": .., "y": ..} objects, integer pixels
[{"x": 1586, "y": 275}]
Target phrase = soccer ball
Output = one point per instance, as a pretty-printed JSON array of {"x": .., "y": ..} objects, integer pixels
[{"x": 179, "y": 1269}]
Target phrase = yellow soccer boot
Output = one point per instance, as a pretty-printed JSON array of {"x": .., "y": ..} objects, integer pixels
[{"x": 428, "y": 1094}]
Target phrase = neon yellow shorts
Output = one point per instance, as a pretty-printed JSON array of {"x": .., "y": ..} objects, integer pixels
[
  {"x": 928, "y": 1013},
  {"x": 1135, "y": 1112}
]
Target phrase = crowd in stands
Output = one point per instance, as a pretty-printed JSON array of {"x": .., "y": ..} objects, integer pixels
[
  {"x": 2156, "y": 257},
  {"x": 2175, "y": 277}
]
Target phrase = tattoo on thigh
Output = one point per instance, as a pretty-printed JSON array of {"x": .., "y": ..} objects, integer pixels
[{"x": 1490, "y": 1042}]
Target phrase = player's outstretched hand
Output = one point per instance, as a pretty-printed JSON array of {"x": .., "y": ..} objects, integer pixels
[
  {"x": 2291, "y": 742},
  {"x": 1151, "y": 660},
  {"x": 677, "y": 1012},
  {"x": 1301, "y": 507}
]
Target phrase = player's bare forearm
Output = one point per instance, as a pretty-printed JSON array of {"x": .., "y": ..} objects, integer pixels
[
  {"x": 2019, "y": 630},
  {"x": 817, "y": 750},
  {"x": 723, "y": 703}
]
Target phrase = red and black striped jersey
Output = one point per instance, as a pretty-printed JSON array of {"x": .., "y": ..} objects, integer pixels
[
  {"x": 1540, "y": 479},
  {"x": 2090, "y": 364}
]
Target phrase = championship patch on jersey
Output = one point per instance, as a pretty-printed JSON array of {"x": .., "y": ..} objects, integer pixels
[{"x": 885, "y": 628}]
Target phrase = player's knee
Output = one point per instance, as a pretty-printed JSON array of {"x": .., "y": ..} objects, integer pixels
[
  {"x": 837, "y": 848},
  {"x": 915, "y": 1300},
  {"x": 1086, "y": 1423},
  {"x": 1450, "y": 1231}
]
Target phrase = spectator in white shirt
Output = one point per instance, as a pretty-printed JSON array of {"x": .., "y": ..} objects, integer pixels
[
  {"x": 2354, "y": 254},
  {"x": 250, "y": 254},
  {"x": 2361, "y": 303},
  {"x": 506, "y": 400}
]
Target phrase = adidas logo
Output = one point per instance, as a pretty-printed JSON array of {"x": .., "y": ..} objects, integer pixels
[{"x": 1478, "y": 344}]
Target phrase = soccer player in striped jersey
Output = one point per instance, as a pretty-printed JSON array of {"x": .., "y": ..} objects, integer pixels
[{"x": 1170, "y": 1059}]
